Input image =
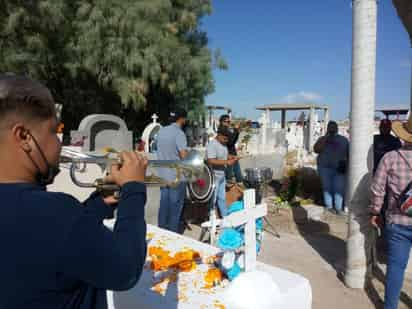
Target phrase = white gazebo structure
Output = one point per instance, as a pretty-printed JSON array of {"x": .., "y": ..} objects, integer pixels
[{"x": 311, "y": 107}]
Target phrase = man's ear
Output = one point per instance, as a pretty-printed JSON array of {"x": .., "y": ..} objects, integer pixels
[{"x": 22, "y": 137}]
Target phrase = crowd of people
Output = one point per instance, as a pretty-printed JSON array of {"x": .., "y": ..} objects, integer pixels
[
  {"x": 390, "y": 206},
  {"x": 220, "y": 155}
]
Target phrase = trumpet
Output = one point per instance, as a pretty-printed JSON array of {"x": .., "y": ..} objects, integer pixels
[{"x": 192, "y": 169}]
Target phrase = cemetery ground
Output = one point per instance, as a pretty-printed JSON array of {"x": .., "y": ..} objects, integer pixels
[{"x": 312, "y": 244}]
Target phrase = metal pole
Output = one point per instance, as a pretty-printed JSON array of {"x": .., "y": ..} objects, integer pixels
[
  {"x": 268, "y": 118},
  {"x": 325, "y": 120},
  {"x": 311, "y": 128},
  {"x": 283, "y": 118},
  {"x": 410, "y": 107},
  {"x": 359, "y": 244}
]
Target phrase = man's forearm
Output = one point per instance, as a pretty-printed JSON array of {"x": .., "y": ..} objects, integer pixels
[
  {"x": 108, "y": 259},
  {"x": 217, "y": 162},
  {"x": 96, "y": 205},
  {"x": 130, "y": 227}
]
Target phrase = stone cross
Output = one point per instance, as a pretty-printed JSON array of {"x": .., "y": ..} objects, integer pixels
[
  {"x": 155, "y": 117},
  {"x": 248, "y": 217}
]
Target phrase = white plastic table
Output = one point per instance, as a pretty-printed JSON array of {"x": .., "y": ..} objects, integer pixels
[{"x": 188, "y": 292}]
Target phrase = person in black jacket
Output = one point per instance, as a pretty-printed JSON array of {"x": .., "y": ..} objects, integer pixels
[
  {"x": 384, "y": 142},
  {"x": 56, "y": 252},
  {"x": 232, "y": 171}
]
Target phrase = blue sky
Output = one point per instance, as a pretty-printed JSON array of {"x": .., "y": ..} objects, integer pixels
[{"x": 281, "y": 51}]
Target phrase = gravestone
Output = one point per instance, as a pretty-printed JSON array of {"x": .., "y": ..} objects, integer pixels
[
  {"x": 248, "y": 217},
  {"x": 149, "y": 135},
  {"x": 99, "y": 131}
]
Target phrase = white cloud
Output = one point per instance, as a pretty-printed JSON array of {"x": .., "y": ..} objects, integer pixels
[
  {"x": 405, "y": 64},
  {"x": 302, "y": 97}
]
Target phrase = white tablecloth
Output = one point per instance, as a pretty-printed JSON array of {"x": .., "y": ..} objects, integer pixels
[{"x": 187, "y": 291}]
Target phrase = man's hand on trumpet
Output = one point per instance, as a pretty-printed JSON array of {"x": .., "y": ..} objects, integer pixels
[{"x": 133, "y": 168}]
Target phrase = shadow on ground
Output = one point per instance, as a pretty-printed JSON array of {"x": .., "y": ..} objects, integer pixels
[{"x": 317, "y": 234}]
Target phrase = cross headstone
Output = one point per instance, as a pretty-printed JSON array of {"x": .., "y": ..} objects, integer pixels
[
  {"x": 155, "y": 117},
  {"x": 149, "y": 133},
  {"x": 248, "y": 217}
]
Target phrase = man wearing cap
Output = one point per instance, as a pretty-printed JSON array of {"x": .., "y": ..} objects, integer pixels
[
  {"x": 384, "y": 142},
  {"x": 232, "y": 171},
  {"x": 392, "y": 177},
  {"x": 217, "y": 157},
  {"x": 172, "y": 145}
]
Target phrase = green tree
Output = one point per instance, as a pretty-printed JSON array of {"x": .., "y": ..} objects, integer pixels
[{"x": 128, "y": 57}]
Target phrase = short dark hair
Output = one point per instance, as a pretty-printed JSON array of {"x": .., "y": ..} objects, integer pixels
[
  {"x": 223, "y": 131},
  {"x": 332, "y": 123},
  {"x": 25, "y": 97},
  {"x": 176, "y": 114},
  {"x": 224, "y": 117}
]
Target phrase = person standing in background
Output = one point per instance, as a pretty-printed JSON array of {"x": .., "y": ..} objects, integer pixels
[
  {"x": 384, "y": 142},
  {"x": 235, "y": 170},
  {"x": 392, "y": 185},
  {"x": 333, "y": 154},
  {"x": 172, "y": 145},
  {"x": 217, "y": 158}
]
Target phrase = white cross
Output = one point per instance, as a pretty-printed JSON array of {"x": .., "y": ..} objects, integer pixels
[
  {"x": 154, "y": 117},
  {"x": 247, "y": 216}
]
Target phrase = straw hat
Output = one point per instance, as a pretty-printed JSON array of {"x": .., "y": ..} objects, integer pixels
[{"x": 403, "y": 130}]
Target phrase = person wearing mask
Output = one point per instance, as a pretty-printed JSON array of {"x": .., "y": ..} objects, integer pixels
[
  {"x": 393, "y": 180},
  {"x": 172, "y": 145},
  {"x": 57, "y": 252},
  {"x": 333, "y": 153},
  {"x": 384, "y": 142},
  {"x": 218, "y": 160},
  {"x": 235, "y": 170}
]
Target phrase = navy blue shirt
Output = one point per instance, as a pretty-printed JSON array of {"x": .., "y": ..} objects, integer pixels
[{"x": 56, "y": 252}]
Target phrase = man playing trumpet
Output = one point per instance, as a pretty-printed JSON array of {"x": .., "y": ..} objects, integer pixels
[{"x": 56, "y": 251}]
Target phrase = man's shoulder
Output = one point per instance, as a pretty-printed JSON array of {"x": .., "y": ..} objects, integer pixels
[
  {"x": 213, "y": 144},
  {"x": 58, "y": 202},
  {"x": 391, "y": 156},
  {"x": 171, "y": 129},
  {"x": 343, "y": 138},
  {"x": 394, "y": 139},
  {"x": 162, "y": 130}
]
